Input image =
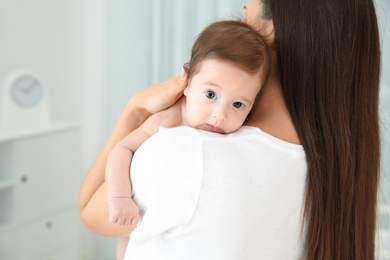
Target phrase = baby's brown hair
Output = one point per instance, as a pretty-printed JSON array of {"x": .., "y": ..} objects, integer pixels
[{"x": 234, "y": 42}]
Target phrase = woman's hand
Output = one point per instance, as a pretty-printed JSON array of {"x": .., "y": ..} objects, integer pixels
[{"x": 161, "y": 95}]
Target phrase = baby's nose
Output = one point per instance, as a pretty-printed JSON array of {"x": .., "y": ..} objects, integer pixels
[{"x": 219, "y": 113}]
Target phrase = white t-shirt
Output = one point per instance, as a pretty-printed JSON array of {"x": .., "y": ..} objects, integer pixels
[{"x": 210, "y": 196}]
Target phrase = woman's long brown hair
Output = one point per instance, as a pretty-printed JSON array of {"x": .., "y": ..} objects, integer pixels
[{"x": 329, "y": 62}]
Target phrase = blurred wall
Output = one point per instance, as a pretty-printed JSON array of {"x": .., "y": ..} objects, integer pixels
[
  {"x": 45, "y": 36},
  {"x": 95, "y": 54}
]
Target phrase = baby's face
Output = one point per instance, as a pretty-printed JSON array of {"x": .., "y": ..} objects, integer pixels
[{"x": 220, "y": 96}]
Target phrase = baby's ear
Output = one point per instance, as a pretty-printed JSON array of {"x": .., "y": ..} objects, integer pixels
[{"x": 185, "y": 91}]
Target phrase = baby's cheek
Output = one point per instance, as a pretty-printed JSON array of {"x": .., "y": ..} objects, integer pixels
[
  {"x": 237, "y": 123},
  {"x": 192, "y": 119}
]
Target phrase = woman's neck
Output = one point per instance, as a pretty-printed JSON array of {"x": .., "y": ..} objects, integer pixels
[{"x": 271, "y": 114}]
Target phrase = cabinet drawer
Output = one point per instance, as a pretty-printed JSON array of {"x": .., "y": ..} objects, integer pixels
[
  {"x": 51, "y": 233},
  {"x": 46, "y": 169}
]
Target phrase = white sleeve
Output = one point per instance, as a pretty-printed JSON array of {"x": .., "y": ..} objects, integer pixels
[{"x": 166, "y": 174}]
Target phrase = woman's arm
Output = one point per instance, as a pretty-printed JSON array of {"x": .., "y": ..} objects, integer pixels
[{"x": 93, "y": 205}]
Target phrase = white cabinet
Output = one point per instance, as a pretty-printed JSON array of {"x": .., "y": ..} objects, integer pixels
[{"x": 39, "y": 183}]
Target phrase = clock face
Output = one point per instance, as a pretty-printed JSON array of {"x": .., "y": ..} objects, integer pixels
[{"x": 27, "y": 91}]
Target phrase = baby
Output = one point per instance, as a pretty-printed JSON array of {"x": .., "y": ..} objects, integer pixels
[{"x": 229, "y": 65}]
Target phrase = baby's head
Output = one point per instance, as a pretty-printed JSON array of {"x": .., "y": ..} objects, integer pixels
[{"x": 230, "y": 63}]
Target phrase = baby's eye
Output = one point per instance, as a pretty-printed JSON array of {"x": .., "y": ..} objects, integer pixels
[
  {"x": 210, "y": 94},
  {"x": 238, "y": 105}
]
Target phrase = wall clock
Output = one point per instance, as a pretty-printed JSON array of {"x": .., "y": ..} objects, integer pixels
[{"x": 25, "y": 101}]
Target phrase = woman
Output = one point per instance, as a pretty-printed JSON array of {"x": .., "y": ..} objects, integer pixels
[{"x": 322, "y": 94}]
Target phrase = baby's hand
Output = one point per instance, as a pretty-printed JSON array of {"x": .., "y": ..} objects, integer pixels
[{"x": 123, "y": 211}]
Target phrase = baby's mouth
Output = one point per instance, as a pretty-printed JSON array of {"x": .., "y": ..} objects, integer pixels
[{"x": 215, "y": 129}]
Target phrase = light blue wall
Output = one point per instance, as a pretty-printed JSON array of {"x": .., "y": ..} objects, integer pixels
[
  {"x": 383, "y": 9},
  {"x": 45, "y": 36},
  {"x": 97, "y": 53}
]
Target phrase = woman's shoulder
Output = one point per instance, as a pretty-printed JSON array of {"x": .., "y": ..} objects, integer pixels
[
  {"x": 179, "y": 139},
  {"x": 167, "y": 164},
  {"x": 182, "y": 143},
  {"x": 244, "y": 130}
]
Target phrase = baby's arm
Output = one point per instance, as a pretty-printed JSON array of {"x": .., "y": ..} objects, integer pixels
[
  {"x": 122, "y": 209},
  {"x": 93, "y": 206}
]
